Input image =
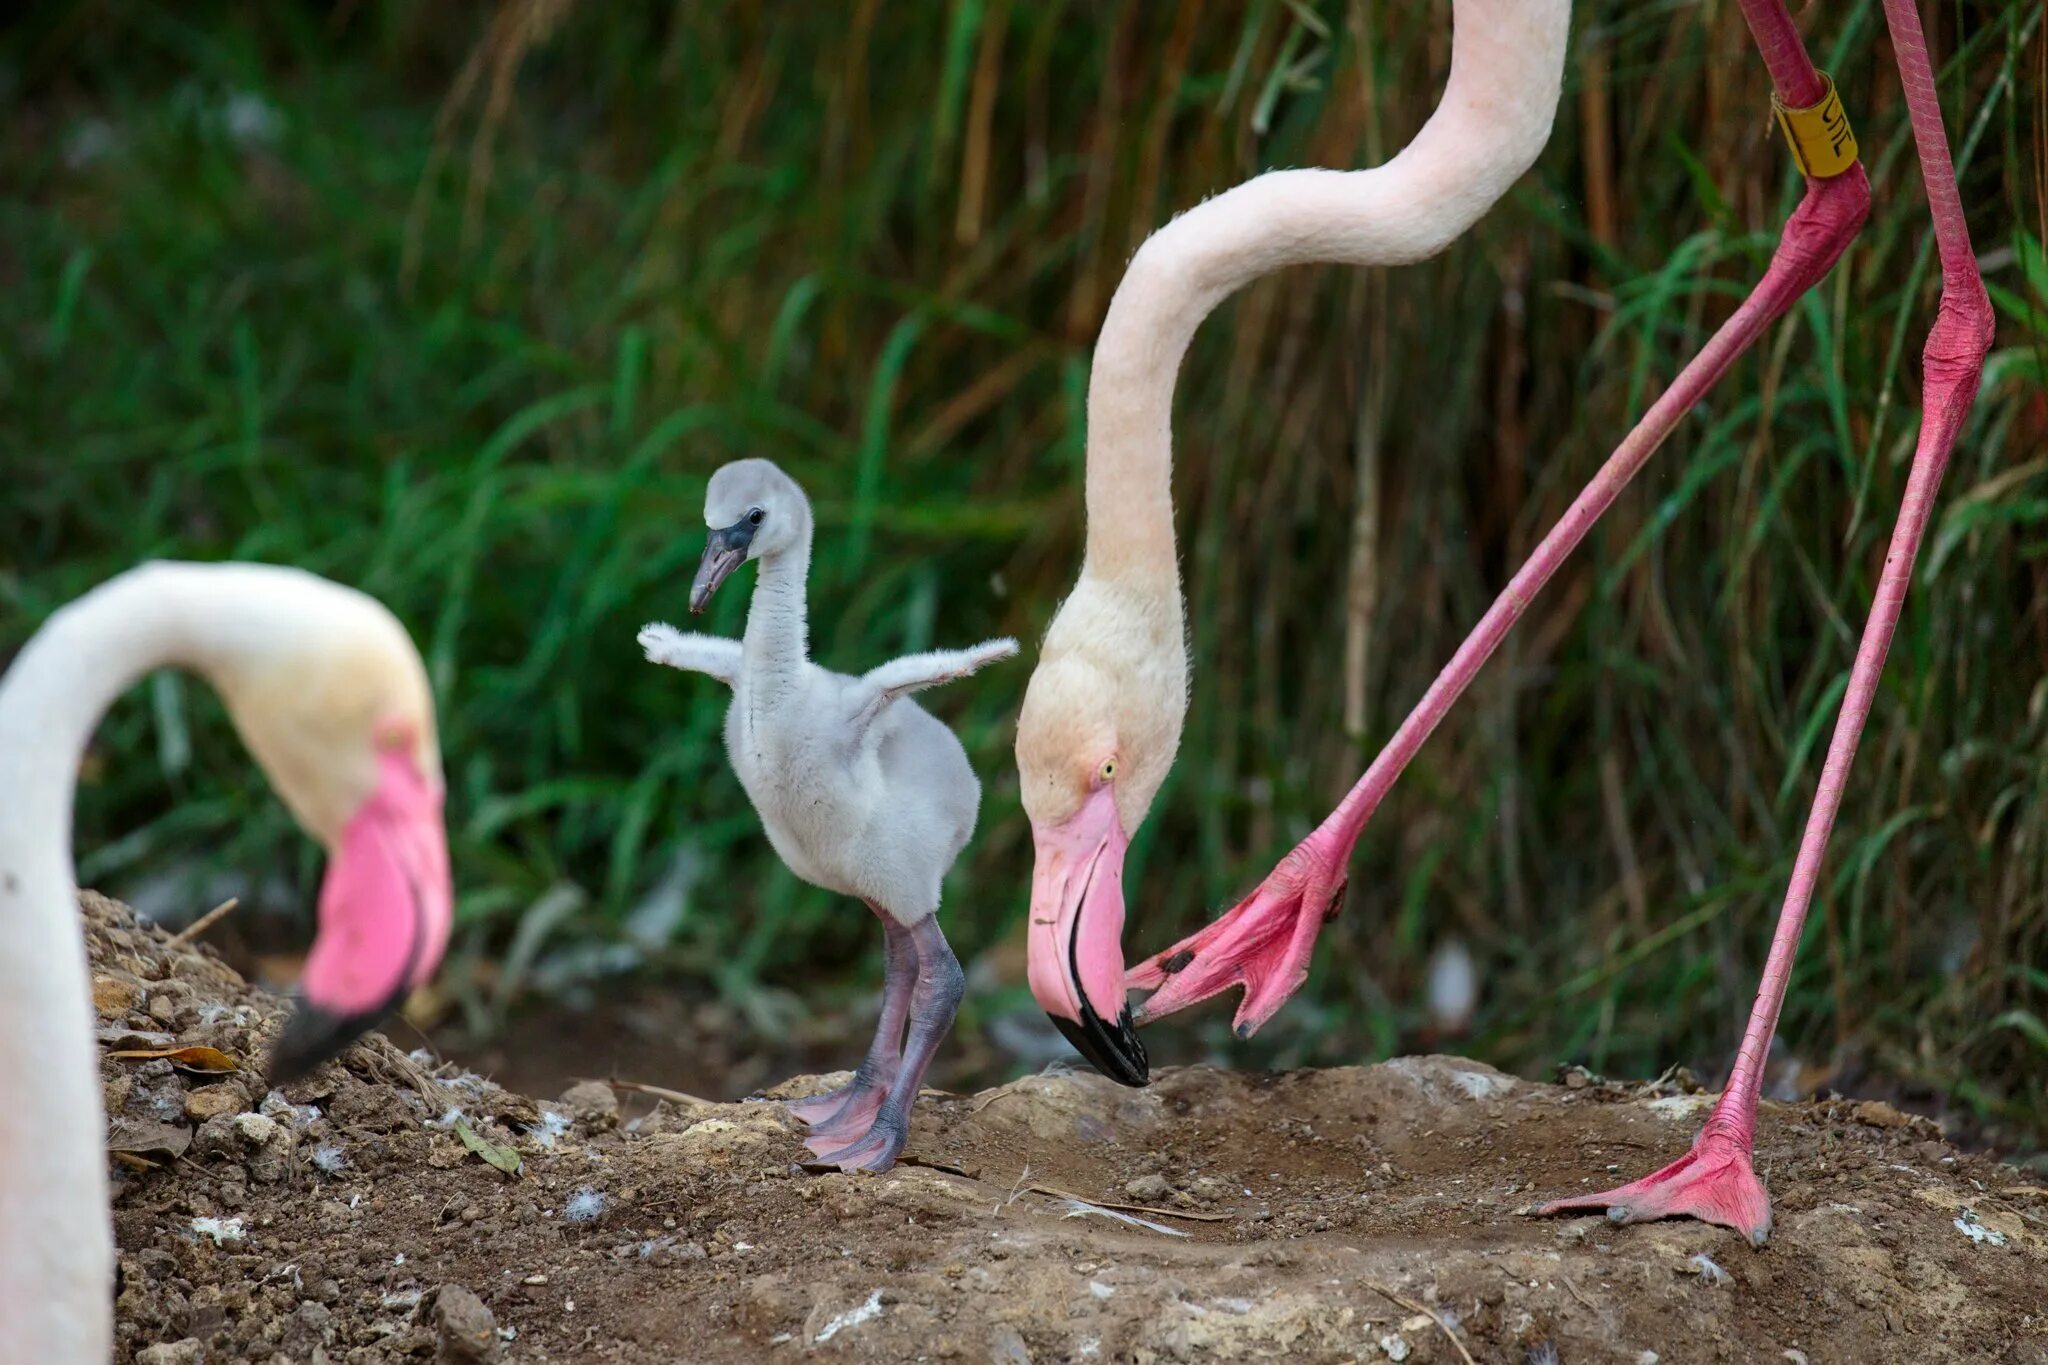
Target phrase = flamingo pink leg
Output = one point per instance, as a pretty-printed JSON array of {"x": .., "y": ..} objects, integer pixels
[
  {"x": 1716, "y": 1180},
  {"x": 1264, "y": 942}
]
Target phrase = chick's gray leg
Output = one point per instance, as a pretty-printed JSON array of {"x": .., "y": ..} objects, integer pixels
[
  {"x": 845, "y": 1113},
  {"x": 934, "y": 1003}
]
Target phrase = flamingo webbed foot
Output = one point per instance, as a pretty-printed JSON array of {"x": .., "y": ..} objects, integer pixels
[
  {"x": 1715, "y": 1182},
  {"x": 1263, "y": 943}
]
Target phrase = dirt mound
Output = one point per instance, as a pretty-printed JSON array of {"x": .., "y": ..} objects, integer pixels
[{"x": 1350, "y": 1214}]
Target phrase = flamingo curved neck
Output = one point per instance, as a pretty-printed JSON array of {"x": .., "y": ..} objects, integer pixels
[
  {"x": 56, "y": 1240},
  {"x": 1506, "y": 66}
]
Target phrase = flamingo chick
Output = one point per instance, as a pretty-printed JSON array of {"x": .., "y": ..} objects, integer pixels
[
  {"x": 861, "y": 791},
  {"x": 327, "y": 691}
]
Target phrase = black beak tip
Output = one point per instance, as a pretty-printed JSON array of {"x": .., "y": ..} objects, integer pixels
[
  {"x": 312, "y": 1037},
  {"x": 1114, "y": 1050}
]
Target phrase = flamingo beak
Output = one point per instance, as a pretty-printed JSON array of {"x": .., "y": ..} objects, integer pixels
[
  {"x": 725, "y": 551},
  {"x": 386, "y": 907},
  {"x": 1076, "y": 936}
]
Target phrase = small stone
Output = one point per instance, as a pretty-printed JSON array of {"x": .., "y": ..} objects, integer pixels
[
  {"x": 270, "y": 1157},
  {"x": 1149, "y": 1189},
  {"x": 1878, "y": 1114},
  {"x": 592, "y": 1102},
  {"x": 135, "y": 1040},
  {"x": 663, "y": 1251},
  {"x": 466, "y": 1330},
  {"x": 307, "y": 1330},
  {"x": 514, "y": 1111},
  {"x": 1396, "y": 1347},
  {"x": 1006, "y": 1347},
  {"x": 112, "y": 996},
  {"x": 186, "y": 1352},
  {"x": 258, "y": 1130},
  {"x": 261, "y": 1142},
  {"x": 213, "y": 1101},
  {"x": 163, "y": 1009}
]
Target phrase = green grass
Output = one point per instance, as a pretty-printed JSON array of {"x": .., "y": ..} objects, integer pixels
[{"x": 473, "y": 328}]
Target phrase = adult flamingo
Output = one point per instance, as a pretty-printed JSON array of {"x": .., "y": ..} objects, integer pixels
[
  {"x": 1102, "y": 715},
  {"x": 327, "y": 691},
  {"x": 1106, "y": 700}
]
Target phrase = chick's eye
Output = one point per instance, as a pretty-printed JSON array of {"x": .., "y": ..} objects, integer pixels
[{"x": 754, "y": 517}]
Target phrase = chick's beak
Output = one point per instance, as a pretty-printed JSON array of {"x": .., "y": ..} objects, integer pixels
[
  {"x": 1076, "y": 936},
  {"x": 724, "y": 551}
]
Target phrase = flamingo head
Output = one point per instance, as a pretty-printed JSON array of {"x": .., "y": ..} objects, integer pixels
[
  {"x": 1095, "y": 740},
  {"x": 751, "y": 509},
  {"x": 329, "y": 694}
]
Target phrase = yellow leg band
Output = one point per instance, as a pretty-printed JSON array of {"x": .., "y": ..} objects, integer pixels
[{"x": 1822, "y": 142}]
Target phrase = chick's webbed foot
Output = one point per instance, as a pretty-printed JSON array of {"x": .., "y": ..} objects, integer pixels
[
  {"x": 874, "y": 1150},
  {"x": 840, "y": 1114}
]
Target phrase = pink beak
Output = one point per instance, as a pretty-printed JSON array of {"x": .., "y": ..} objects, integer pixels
[
  {"x": 1076, "y": 949},
  {"x": 386, "y": 908}
]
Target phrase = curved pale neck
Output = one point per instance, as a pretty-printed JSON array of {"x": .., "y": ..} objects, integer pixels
[
  {"x": 56, "y": 1241},
  {"x": 777, "y": 639},
  {"x": 1507, "y": 62}
]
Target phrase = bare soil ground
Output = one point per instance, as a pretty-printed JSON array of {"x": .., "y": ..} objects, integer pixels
[{"x": 1351, "y": 1214}]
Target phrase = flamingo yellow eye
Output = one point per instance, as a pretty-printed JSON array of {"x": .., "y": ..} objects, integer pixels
[
  {"x": 1109, "y": 770},
  {"x": 393, "y": 733}
]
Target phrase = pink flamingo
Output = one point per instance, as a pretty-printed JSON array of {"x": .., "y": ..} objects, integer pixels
[
  {"x": 326, "y": 690},
  {"x": 1102, "y": 717}
]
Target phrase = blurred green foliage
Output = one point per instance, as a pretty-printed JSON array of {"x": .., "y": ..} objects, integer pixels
[{"x": 461, "y": 305}]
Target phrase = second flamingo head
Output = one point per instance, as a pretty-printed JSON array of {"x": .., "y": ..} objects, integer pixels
[{"x": 327, "y": 691}]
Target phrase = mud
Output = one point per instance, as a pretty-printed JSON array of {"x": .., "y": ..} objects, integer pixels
[{"x": 1350, "y": 1214}]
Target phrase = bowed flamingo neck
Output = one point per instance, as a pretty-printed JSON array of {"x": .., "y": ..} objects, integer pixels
[
  {"x": 1493, "y": 120},
  {"x": 56, "y": 1247}
]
